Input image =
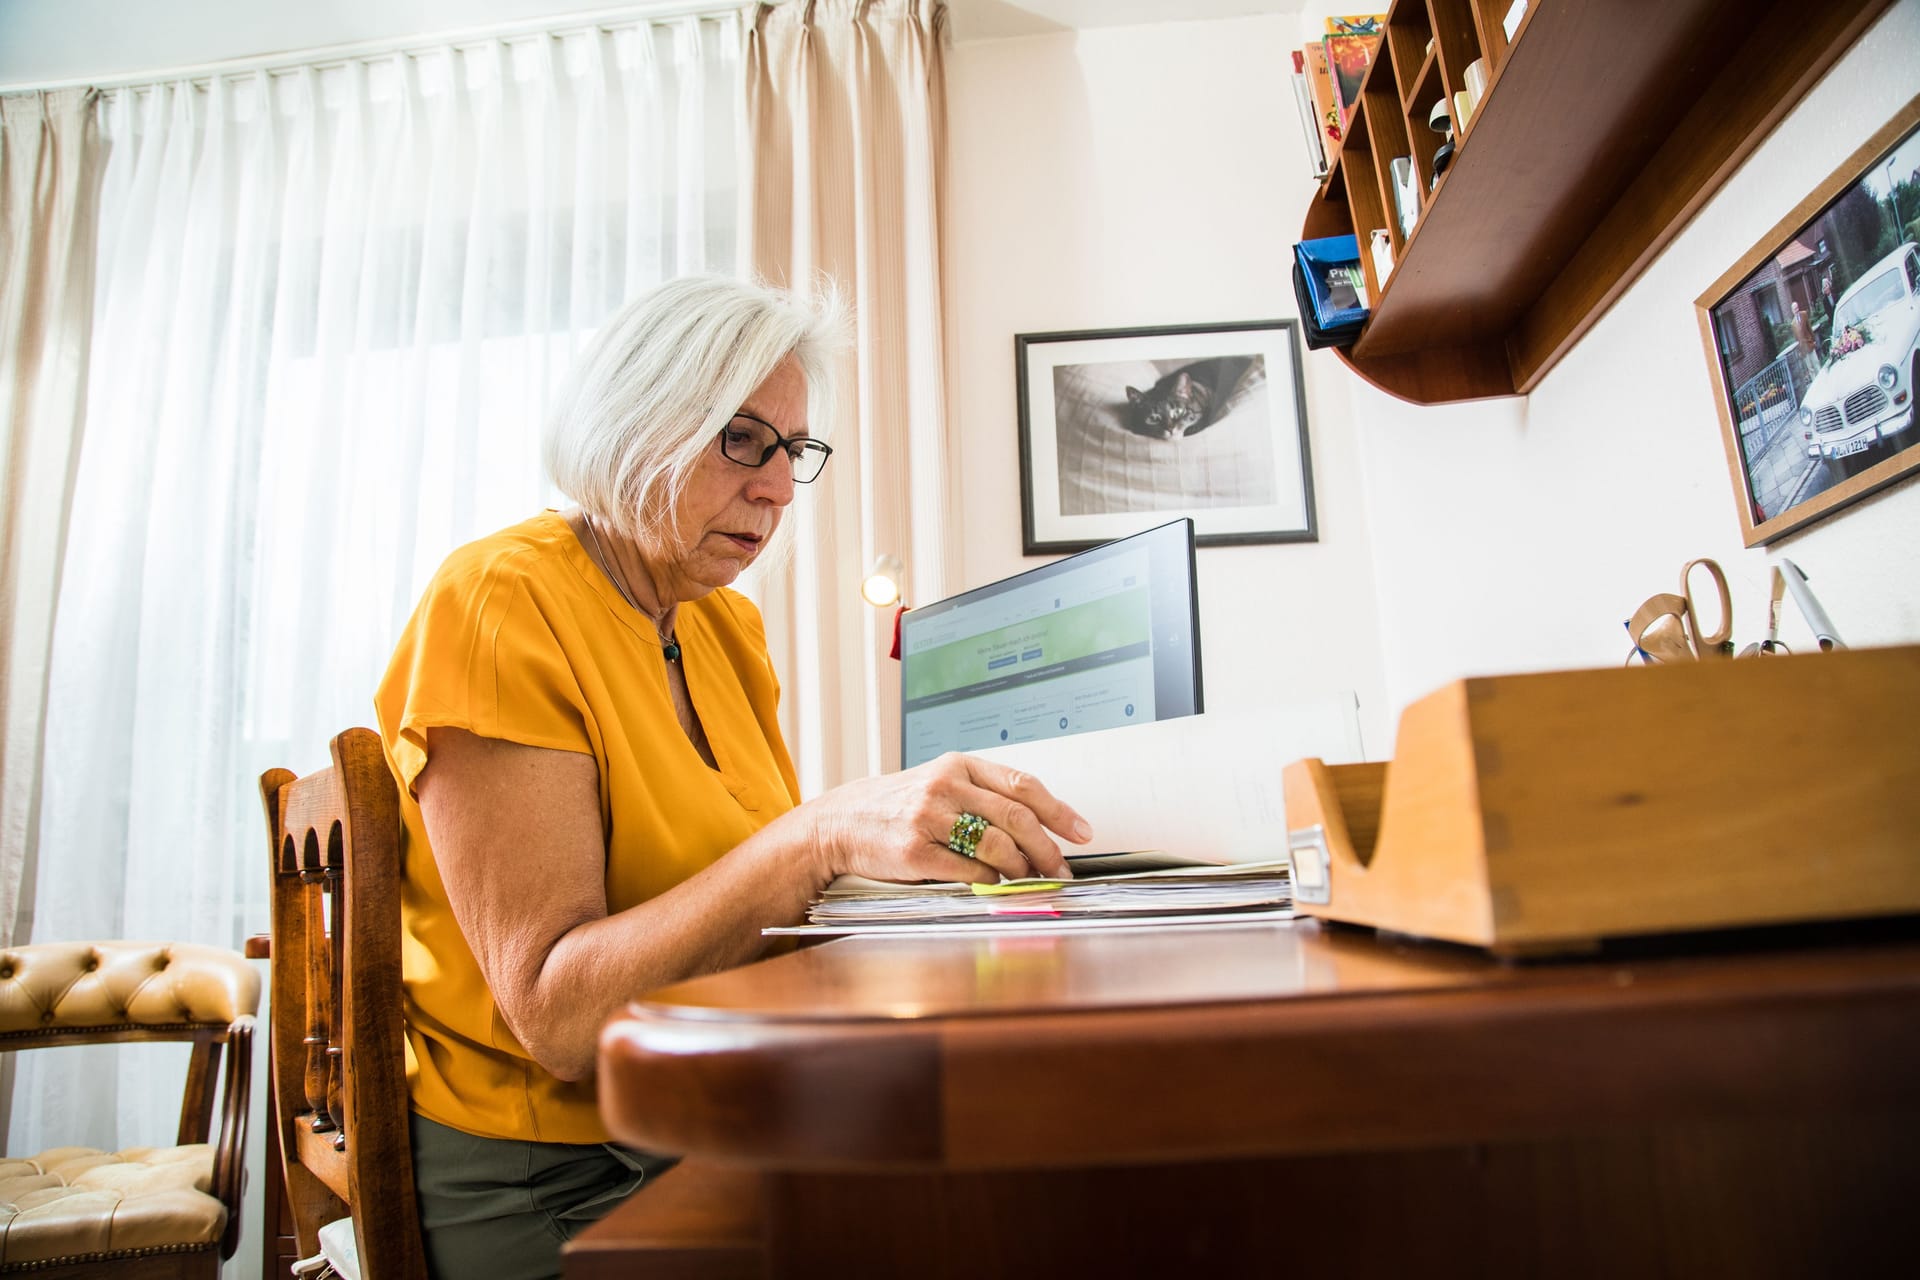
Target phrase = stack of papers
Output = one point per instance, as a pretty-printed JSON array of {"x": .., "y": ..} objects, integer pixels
[
  {"x": 1189, "y": 821},
  {"x": 1233, "y": 893}
]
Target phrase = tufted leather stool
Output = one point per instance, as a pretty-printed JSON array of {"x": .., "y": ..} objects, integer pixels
[{"x": 147, "y": 1211}]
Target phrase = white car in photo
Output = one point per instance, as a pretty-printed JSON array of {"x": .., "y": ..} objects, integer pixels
[{"x": 1866, "y": 395}]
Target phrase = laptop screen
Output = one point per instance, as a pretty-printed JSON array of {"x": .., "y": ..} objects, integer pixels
[{"x": 1104, "y": 638}]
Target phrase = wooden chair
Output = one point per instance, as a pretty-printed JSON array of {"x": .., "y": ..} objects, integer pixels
[
  {"x": 338, "y": 1050},
  {"x": 145, "y": 1213}
]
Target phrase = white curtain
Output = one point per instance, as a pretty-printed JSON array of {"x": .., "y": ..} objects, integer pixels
[
  {"x": 332, "y": 301},
  {"x": 846, "y": 129},
  {"x": 50, "y": 163}
]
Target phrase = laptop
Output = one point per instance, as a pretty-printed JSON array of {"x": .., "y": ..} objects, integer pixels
[{"x": 1105, "y": 638}]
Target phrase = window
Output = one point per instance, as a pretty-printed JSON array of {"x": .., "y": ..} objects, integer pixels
[
  {"x": 1864, "y": 301},
  {"x": 1729, "y": 335},
  {"x": 1766, "y": 304}
]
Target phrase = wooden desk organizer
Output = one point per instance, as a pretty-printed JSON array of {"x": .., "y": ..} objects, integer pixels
[{"x": 1539, "y": 813}]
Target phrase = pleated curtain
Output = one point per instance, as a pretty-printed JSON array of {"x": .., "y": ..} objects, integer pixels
[
  {"x": 50, "y": 164},
  {"x": 332, "y": 302},
  {"x": 846, "y": 158}
]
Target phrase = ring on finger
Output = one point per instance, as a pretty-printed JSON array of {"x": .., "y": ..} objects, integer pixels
[{"x": 964, "y": 836}]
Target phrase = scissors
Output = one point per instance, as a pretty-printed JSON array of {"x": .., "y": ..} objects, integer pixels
[
  {"x": 1717, "y": 643},
  {"x": 1655, "y": 639}
]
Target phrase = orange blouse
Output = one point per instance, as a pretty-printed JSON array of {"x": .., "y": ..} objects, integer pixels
[{"x": 521, "y": 637}]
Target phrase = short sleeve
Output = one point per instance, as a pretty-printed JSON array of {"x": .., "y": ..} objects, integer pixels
[{"x": 481, "y": 654}]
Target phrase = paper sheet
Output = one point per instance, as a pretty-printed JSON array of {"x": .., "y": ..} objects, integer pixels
[
  {"x": 1229, "y": 920},
  {"x": 1210, "y": 889},
  {"x": 1204, "y": 787}
]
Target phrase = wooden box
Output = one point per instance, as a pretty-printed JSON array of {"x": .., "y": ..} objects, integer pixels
[{"x": 1541, "y": 813}]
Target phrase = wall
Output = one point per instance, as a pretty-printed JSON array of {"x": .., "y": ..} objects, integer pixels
[
  {"x": 1501, "y": 536},
  {"x": 1517, "y": 535},
  {"x": 1144, "y": 176}
]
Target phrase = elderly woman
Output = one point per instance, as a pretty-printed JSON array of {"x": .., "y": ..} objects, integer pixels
[{"x": 581, "y": 719}]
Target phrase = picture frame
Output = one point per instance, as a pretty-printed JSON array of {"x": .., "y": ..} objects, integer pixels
[
  {"x": 1123, "y": 429},
  {"x": 1813, "y": 341}
]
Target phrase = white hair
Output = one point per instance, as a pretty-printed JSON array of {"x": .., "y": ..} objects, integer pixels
[{"x": 668, "y": 371}]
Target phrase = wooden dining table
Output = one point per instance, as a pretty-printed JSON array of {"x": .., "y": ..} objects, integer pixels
[{"x": 1272, "y": 1099}]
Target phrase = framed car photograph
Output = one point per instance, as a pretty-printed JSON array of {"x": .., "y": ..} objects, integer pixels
[
  {"x": 1814, "y": 336},
  {"x": 1123, "y": 429}
]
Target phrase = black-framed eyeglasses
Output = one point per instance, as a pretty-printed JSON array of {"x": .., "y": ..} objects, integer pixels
[{"x": 752, "y": 443}]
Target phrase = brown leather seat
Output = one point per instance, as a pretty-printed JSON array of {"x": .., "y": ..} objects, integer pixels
[
  {"x": 338, "y": 1047},
  {"x": 77, "y": 1211}
]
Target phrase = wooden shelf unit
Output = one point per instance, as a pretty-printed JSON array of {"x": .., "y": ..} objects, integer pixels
[{"x": 1604, "y": 128}]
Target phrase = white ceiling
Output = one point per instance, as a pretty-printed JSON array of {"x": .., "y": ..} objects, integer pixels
[
  {"x": 48, "y": 41},
  {"x": 995, "y": 19}
]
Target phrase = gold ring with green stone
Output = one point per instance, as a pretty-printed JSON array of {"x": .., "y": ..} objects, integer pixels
[{"x": 964, "y": 836}]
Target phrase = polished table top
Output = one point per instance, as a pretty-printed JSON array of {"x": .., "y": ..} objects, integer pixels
[{"x": 1103, "y": 1047}]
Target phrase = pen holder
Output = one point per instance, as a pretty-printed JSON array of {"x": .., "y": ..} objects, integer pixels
[{"x": 1542, "y": 813}]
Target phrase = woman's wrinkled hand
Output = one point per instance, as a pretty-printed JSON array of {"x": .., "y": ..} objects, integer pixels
[{"x": 896, "y": 827}]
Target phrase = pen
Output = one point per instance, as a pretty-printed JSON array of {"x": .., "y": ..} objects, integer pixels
[{"x": 1809, "y": 607}]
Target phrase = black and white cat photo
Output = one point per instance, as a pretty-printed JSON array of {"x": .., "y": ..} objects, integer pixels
[{"x": 1186, "y": 401}]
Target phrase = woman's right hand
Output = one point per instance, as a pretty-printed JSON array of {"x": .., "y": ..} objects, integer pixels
[{"x": 895, "y": 827}]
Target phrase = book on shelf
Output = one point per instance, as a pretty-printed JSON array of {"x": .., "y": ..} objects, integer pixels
[
  {"x": 1369, "y": 28},
  {"x": 1309, "y": 117},
  {"x": 1348, "y": 57},
  {"x": 1357, "y": 24},
  {"x": 1320, "y": 87}
]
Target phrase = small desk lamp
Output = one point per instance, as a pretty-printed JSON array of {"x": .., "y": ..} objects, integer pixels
[
  {"x": 882, "y": 585},
  {"x": 882, "y": 590}
]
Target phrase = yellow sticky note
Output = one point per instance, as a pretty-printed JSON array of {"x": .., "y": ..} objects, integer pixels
[{"x": 1016, "y": 886}]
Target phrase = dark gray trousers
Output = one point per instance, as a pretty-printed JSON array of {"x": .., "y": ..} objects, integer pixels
[{"x": 499, "y": 1209}]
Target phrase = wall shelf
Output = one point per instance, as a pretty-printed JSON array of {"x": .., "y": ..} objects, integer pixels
[{"x": 1605, "y": 127}]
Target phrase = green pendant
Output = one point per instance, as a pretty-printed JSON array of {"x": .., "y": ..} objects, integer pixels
[{"x": 672, "y": 650}]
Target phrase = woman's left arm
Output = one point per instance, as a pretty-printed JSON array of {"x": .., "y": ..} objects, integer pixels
[{"x": 516, "y": 835}]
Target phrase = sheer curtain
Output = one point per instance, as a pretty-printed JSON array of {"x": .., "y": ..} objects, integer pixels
[
  {"x": 846, "y": 133},
  {"x": 50, "y": 163},
  {"x": 332, "y": 299}
]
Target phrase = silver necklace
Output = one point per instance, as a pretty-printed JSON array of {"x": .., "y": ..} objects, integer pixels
[{"x": 669, "y": 644}]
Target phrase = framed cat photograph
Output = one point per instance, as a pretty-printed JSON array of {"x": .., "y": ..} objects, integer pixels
[{"x": 1123, "y": 429}]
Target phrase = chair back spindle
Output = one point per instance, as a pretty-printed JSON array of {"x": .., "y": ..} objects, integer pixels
[
  {"x": 337, "y": 1104},
  {"x": 339, "y": 1046},
  {"x": 311, "y": 871}
]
